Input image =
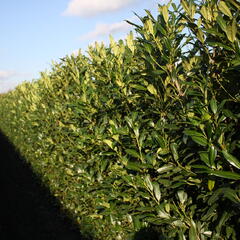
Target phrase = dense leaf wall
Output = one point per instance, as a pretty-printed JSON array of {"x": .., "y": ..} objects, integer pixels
[{"x": 145, "y": 132}]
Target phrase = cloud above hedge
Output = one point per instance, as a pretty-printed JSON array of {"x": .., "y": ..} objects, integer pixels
[
  {"x": 105, "y": 29},
  {"x": 89, "y": 8},
  {"x": 6, "y": 74}
]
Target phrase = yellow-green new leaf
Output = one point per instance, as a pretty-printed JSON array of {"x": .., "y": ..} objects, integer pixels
[
  {"x": 211, "y": 184},
  {"x": 200, "y": 35},
  {"x": 224, "y": 9},
  {"x": 232, "y": 31},
  {"x": 152, "y": 89},
  {"x": 150, "y": 26},
  {"x": 185, "y": 6},
  {"x": 165, "y": 13},
  {"x": 130, "y": 42},
  {"x": 108, "y": 142},
  {"x": 206, "y": 13}
]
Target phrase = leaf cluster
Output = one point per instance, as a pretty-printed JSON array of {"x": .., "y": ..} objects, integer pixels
[{"x": 143, "y": 132}]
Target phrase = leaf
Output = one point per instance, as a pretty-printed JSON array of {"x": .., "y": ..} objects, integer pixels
[
  {"x": 150, "y": 26},
  {"x": 136, "y": 223},
  {"x": 152, "y": 89},
  {"x": 231, "y": 195},
  {"x": 200, "y": 140},
  {"x": 130, "y": 42},
  {"x": 224, "y": 9},
  {"x": 205, "y": 13},
  {"x": 231, "y": 31},
  {"x": 165, "y": 13},
  {"x": 159, "y": 139},
  {"x": 218, "y": 44},
  {"x": 212, "y": 155},
  {"x": 205, "y": 158},
  {"x": 162, "y": 151},
  {"x": 200, "y": 35},
  {"x": 193, "y": 133},
  {"x": 221, "y": 22},
  {"x": 231, "y": 159},
  {"x": 133, "y": 153},
  {"x": 138, "y": 87},
  {"x": 165, "y": 168},
  {"x": 211, "y": 184},
  {"x": 193, "y": 231},
  {"x": 206, "y": 117},
  {"x": 148, "y": 183},
  {"x": 201, "y": 168},
  {"x": 213, "y": 105},
  {"x": 156, "y": 190},
  {"x": 225, "y": 174},
  {"x": 179, "y": 223},
  {"x": 134, "y": 166},
  {"x": 185, "y": 6},
  {"x": 182, "y": 196},
  {"x": 108, "y": 142},
  {"x": 173, "y": 147}
]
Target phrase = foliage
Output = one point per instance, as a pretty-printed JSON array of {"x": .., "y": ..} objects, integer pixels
[{"x": 145, "y": 132}]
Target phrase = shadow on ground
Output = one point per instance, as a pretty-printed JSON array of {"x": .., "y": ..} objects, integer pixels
[
  {"x": 148, "y": 234},
  {"x": 27, "y": 210}
]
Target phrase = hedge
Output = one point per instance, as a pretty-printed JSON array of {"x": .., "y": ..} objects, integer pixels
[{"x": 145, "y": 132}]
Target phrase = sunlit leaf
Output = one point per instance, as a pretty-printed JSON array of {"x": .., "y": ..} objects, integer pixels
[
  {"x": 224, "y": 9},
  {"x": 231, "y": 159}
]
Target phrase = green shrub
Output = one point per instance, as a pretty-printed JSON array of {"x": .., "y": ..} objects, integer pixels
[{"x": 143, "y": 133}]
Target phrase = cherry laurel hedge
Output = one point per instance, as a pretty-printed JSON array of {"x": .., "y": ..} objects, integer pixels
[{"x": 145, "y": 132}]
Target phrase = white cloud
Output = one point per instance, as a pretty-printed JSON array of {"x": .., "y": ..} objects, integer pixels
[
  {"x": 105, "y": 29},
  {"x": 10, "y": 79},
  {"x": 6, "y": 74},
  {"x": 87, "y": 8}
]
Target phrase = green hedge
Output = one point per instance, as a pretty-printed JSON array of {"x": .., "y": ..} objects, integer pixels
[{"x": 145, "y": 132}]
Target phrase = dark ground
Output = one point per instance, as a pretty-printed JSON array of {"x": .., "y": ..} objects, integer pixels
[{"x": 27, "y": 210}]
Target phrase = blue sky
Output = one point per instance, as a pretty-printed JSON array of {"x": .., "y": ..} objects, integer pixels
[{"x": 36, "y": 32}]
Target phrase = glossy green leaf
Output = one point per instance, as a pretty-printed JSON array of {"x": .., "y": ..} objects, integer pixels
[
  {"x": 212, "y": 153},
  {"x": 193, "y": 133},
  {"x": 205, "y": 158},
  {"x": 165, "y": 168},
  {"x": 193, "y": 231},
  {"x": 157, "y": 192},
  {"x": 200, "y": 140},
  {"x": 148, "y": 183},
  {"x": 213, "y": 105},
  {"x": 134, "y": 166},
  {"x": 225, "y": 174},
  {"x": 133, "y": 153},
  {"x": 222, "y": 23},
  {"x": 231, "y": 159},
  {"x": 140, "y": 127},
  {"x": 182, "y": 196},
  {"x": 173, "y": 147}
]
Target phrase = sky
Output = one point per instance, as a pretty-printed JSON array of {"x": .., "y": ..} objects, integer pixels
[{"x": 36, "y": 32}]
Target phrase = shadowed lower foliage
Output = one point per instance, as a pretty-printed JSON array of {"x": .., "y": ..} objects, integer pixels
[{"x": 27, "y": 210}]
